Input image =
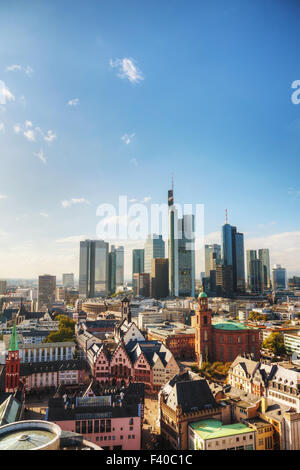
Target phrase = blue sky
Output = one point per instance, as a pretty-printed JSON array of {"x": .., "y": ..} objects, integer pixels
[{"x": 202, "y": 89}]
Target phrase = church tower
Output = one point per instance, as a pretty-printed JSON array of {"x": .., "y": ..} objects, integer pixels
[
  {"x": 126, "y": 314},
  {"x": 12, "y": 374},
  {"x": 203, "y": 331}
]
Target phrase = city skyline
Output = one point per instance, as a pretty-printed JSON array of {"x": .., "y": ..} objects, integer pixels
[{"x": 118, "y": 97}]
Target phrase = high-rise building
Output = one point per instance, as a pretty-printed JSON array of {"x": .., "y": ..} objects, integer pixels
[
  {"x": 112, "y": 284},
  {"x": 116, "y": 268},
  {"x": 256, "y": 284},
  {"x": 279, "y": 277},
  {"x": 239, "y": 262},
  {"x": 154, "y": 248},
  {"x": 3, "y": 287},
  {"x": 68, "y": 280},
  {"x": 120, "y": 266},
  {"x": 233, "y": 255},
  {"x": 224, "y": 281},
  {"x": 141, "y": 284},
  {"x": 93, "y": 269},
  {"x": 251, "y": 255},
  {"x": 210, "y": 260},
  {"x": 264, "y": 257},
  {"x": 160, "y": 278},
  {"x": 138, "y": 261},
  {"x": 186, "y": 256},
  {"x": 173, "y": 246},
  {"x": 46, "y": 290}
]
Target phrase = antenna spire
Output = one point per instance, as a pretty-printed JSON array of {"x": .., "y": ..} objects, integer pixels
[
  {"x": 172, "y": 181},
  {"x": 226, "y": 216}
]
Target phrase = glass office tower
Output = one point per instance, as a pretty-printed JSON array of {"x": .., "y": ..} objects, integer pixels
[
  {"x": 239, "y": 262},
  {"x": 93, "y": 269},
  {"x": 138, "y": 261},
  {"x": 264, "y": 257},
  {"x": 154, "y": 248},
  {"x": 173, "y": 246},
  {"x": 211, "y": 261},
  {"x": 233, "y": 255},
  {"x": 279, "y": 277},
  {"x": 186, "y": 256}
]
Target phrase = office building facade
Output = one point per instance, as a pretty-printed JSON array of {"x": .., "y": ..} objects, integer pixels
[
  {"x": 93, "y": 269},
  {"x": 264, "y": 257},
  {"x": 279, "y": 277},
  {"x": 160, "y": 278},
  {"x": 68, "y": 280},
  {"x": 186, "y": 256},
  {"x": 154, "y": 248},
  {"x": 173, "y": 246},
  {"x": 46, "y": 290},
  {"x": 138, "y": 261}
]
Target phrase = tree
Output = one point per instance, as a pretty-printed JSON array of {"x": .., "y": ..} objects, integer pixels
[
  {"x": 65, "y": 332},
  {"x": 275, "y": 343}
]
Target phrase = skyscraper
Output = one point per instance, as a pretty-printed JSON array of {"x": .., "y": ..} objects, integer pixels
[
  {"x": 239, "y": 262},
  {"x": 186, "y": 256},
  {"x": 233, "y": 254},
  {"x": 251, "y": 255},
  {"x": 264, "y": 257},
  {"x": 159, "y": 278},
  {"x": 68, "y": 280},
  {"x": 154, "y": 248},
  {"x": 120, "y": 266},
  {"x": 141, "y": 284},
  {"x": 211, "y": 261},
  {"x": 254, "y": 272},
  {"x": 93, "y": 269},
  {"x": 138, "y": 261},
  {"x": 46, "y": 290},
  {"x": 173, "y": 246},
  {"x": 112, "y": 270},
  {"x": 279, "y": 277}
]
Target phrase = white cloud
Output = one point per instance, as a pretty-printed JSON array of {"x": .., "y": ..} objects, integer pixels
[
  {"x": 44, "y": 214},
  {"x": 127, "y": 69},
  {"x": 127, "y": 138},
  {"x": 70, "y": 202},
  {"x": 146, "y": 199},
  {"x": 50, "y": 136},
  {"x": 3, "y": 196},
  {"x": 30, "y": 135},
  {"x": 41, "y": 156},
  {"x": 73, "y": 102},
  {"x": 28, "y": 70},
  {"x": 134, "y": 161},
  {"x": 17, "y": 129},
  {"x": 133, "y": 200},
  {"x": 5, "y": 94},
  {"x": 2, "y": 126},
  {"x": 73, "y": 239},
  {"x": 12, "y": 68}
]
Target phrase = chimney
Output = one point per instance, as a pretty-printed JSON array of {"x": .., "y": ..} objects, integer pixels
[{"x": 264, "y": 404}]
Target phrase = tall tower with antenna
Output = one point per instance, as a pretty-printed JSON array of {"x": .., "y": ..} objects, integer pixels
[{"x": 173, "y": 243}]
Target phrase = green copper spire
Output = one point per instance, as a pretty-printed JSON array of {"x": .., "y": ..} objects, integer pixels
[{"x": 13, "y": 344}]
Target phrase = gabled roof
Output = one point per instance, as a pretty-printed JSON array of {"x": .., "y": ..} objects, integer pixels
[{"x": 190, "y": 395}]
